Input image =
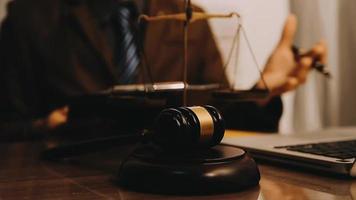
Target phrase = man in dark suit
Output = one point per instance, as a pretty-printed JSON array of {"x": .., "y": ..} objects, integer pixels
[{"x": 52, "y": 50}]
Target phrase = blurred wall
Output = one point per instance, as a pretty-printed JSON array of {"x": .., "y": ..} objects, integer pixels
[
  {"x": 347, "y": 70},
  {"x": 324, "y": 103},
  {"x": 316, "y": 102}
]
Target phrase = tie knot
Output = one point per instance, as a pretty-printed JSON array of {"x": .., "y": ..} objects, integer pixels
[
  {"x": 124, "y": 12},
  {"x": 128, "y": 10}
]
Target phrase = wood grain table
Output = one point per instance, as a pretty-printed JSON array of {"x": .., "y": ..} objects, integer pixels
[{"x": 24, "y": 176}]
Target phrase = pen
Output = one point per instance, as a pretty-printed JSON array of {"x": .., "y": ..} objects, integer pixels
[{"x": 317, "y": 65}]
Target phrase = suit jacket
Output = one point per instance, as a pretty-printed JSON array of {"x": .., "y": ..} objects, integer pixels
[{"x": 52, "y": 50}]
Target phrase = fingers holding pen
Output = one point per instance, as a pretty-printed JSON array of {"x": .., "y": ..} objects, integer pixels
[
  {"x": 316, "y": 58},
  {"x": 322, "y": 51},
  {"x": 318, "y": 52}
]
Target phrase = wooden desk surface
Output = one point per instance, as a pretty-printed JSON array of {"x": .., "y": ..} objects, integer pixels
[{"x": 24, "y": 176}]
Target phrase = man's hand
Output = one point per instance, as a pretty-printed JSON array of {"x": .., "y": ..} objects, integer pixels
[
  {"x": 282, "y": 72},
  {"x": 55, "y": 119}
]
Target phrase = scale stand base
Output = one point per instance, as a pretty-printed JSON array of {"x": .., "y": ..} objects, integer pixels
[{"x": 221, "y": 169}]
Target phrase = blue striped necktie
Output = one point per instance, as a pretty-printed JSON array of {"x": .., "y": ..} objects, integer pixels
[{"x": 127, "y": 59}]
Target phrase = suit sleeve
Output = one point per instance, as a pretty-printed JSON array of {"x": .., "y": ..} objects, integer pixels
[
  {"x": 17, "y": 97},
  {"x": 251, "y": 116}
]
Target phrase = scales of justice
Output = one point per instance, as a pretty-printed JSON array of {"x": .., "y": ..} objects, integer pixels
[
  {"x": 214, "y": 90},
  {"x": 164, "y": 161}
]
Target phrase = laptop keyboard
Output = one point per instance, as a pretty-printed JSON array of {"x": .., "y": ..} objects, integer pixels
[{"x": 341, "y": 150}]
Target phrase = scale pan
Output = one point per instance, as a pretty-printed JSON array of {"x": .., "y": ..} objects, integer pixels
[
  {"x": 158, "y": 89},
  {"x": 167, "y": 88}
]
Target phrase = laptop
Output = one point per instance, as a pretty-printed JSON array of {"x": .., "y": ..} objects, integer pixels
[{"x": 332, "y": 150}]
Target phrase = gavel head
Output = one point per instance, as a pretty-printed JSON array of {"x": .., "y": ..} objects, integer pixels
[{"x": 188, "y": 128}]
